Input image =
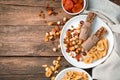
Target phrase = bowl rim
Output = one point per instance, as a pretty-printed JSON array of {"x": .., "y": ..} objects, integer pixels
[
  {"x": 84, "y": 8},
  {"x": 73, "y": 69}
]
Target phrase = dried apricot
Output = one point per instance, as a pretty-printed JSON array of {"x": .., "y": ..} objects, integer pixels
[
  {"x": 77, "y": 7},
  {"x": 80, "y": 1},
  {"x": 75, "y": 1},
  {"x": 63, "y": 1},
  {"x": 68, "y": 5}
]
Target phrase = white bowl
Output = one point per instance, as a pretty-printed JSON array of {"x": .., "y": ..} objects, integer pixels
[
  {"x": 63, "y": 72},
  {"x": 96, "y": 25},
  {"x": 84, "y": 7}
]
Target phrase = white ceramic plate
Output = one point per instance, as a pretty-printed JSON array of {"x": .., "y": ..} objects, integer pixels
[
  {"x": 63, "y": 72},
  {"x": 96, "y": 25}
]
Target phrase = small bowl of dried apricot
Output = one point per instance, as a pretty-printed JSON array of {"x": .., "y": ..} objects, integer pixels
[{"x": 73, "y": 7}]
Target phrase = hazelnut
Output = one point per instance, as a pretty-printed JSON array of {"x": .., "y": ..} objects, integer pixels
[
  {"x": 71, "y": 48},
  {"x": 76, "y": 46},
  {"x": 73, "y": 42}
]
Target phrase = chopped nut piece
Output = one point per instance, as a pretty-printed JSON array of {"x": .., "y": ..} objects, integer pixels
[
  {"x": 51, "y": 37},
  {"x": 59, "y": 46},
  {"x": 57, "y": 66},
  {"x": 46, "y": 39},
  {"x": 54, "y": 49},
  {"x": 52, "y": 78},
  {"x": 55, "y": 62},
  {"x": 52, "y": 68},
  {"x": 58, "y": 22},
  {"x": 56, "y": 72},
  {"x": 73, "y": 42},
  {"x": 51, "y": 33},
  {"x": 50, "y": 23},
  {"x": 59, "y": 58},
  {"x": 47, "y": 68},
  {"x": 47, "y": 34},
  {"x": 57, "y": 33},
  {"x": 48, "y": 73},
  {"x": 57, "y": 28},
  {"x": 50, "y": 12},
  {"x": 76, "y": 46},
  {"x": 64, "y": 19},
  {"x": 45, "y": 65}
]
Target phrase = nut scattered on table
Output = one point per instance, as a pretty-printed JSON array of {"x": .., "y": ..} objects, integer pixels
[
  {"x": 54, "y": 49},
  {"x": 50, "y": 23},
  {"x": 45, "y": 65},
  {"x": 52, "y": 69},
  {"x": 64, "y": 19},
  {"x": 59, "y": 46}
]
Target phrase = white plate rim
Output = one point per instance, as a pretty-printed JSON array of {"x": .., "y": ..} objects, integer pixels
[{"x": 90, "y": 66}]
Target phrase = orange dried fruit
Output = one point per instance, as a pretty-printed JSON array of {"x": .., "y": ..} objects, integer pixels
[
  {"x": 78, "y": 56},
  {"x": 77, "y": 7},
  {"x": 68, "y": 5},
  {"x": 63, "y": 2},
  {"x": 80, "y": 1},
  {"x": 75, "y": 1}
]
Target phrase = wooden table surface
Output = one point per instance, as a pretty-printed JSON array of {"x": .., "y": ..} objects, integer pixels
[{"x": 22, "y": 46}]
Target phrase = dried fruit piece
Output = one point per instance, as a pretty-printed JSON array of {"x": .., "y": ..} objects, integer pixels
[
  {"x": 68, "y": 5},
  {"x": 57, "y": 28},
  {"x": 77, "y": 7},
  {"x": 78, "y": 56},
  {"x": 50, "y": 12},
  {"x": 75, "y": 1}
]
